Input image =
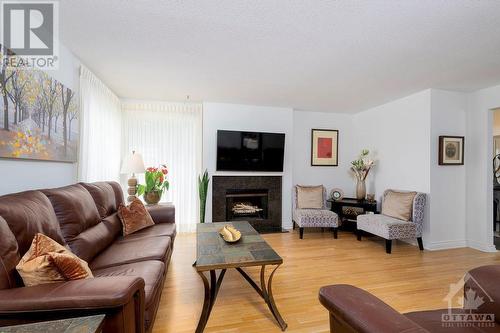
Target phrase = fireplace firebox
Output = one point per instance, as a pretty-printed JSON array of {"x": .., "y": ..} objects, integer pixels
[{"x": 244, "y": 205}]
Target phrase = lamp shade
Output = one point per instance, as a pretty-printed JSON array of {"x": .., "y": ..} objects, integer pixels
[{"x": 133, "y": 164}]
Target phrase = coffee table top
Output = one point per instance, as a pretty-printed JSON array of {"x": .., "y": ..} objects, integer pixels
[{"x": 212, "y": 252}]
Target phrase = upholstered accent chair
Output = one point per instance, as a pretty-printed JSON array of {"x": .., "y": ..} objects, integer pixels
[
  {"x": 320, "y": 217},
  {"x": 392, "y": 228}
]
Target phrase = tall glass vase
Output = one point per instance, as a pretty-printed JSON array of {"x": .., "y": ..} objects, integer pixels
[{"x": 361, "y": 189}]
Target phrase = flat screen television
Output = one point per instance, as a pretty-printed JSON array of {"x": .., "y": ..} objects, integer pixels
[{"x": 250, "y": 151}]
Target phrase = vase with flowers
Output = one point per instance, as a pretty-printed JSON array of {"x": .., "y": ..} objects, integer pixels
[
  {"x": 361, "y": 167},
  {"x": 156, "y": 184}
]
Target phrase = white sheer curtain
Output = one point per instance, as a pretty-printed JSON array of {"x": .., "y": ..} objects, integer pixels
[
  {"x": 100, "y": 140},
  {"x": 171, "y": 134}
]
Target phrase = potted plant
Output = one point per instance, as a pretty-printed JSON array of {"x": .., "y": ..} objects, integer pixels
[
  {"x": 156, "y": 183},
  {"x": 361, "y": 168},
  {"x": 203, "y": 181}
]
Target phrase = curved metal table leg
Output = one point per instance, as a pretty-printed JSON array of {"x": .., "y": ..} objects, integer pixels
[
  {"x": 267, "y": 293},
  {"x": 211, "y": 292},
  {"x": 207, "y": 304}
]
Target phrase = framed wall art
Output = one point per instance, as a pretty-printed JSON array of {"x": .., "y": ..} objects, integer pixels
[
  {"x": 451, "y": 150},
  {"x": 324, "y": 147}
]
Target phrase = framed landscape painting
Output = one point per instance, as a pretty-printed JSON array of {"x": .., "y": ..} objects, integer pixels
[
  {"x": 38, "y": 116},
  {"x": 451, "y": 150},
  {"x": 324, "y": 147}
]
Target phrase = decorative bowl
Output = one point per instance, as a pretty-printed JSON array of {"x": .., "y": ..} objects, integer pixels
[{"x": 230, "y": 234}]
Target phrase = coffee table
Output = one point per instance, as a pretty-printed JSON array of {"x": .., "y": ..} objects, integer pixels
[{"x": 213, "y": 254}]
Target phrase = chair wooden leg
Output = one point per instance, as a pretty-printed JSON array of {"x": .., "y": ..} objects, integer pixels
[
  {"x": 335, "y": 234},
  {"x": 301, "y": 232},
  {"x": 359, "y": 233},
  {"x": 420, "y": 243},
  {"x": 293, "y": 225},
  {"x": 388, "y": 246}
]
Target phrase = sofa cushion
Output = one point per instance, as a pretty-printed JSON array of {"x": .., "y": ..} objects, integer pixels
[
  {"x": 75, "y": 209},
  {"x": 118, "y": 193},
  {"x": 306, "y": 218},
  {"x": 95, "y": 239},
  {"x": 153, "y": 273},
  {"x": 398, "y": 205},
  {"x": 9, "y": 256},
  {"x": 165, "y": 229},
  {"x": 47, "y": 262},
  {"x": 125, "y": 252},
  {"x": 387, "y": 227},
  {"x": 309, "y": 197},
  {"x": 104, "y": 197},
  {"x": 134, "y": 217},
  {"x": 28, "y": 213}
]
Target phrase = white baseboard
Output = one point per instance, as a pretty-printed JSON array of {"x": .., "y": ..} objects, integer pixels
[
  {"x": 444, "y": 245},
  {"x": 481, "y": 246}
]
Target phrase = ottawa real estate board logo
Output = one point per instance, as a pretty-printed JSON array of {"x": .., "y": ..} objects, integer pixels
[
  {"x": 473, "y": 300},
  {"x": 29, "y": 37}
]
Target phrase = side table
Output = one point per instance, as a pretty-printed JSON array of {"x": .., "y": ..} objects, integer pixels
[{"x": 348, "y": 209}]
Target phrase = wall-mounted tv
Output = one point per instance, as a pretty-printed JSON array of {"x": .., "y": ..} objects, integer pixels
[{"x": 250, "y": 151}]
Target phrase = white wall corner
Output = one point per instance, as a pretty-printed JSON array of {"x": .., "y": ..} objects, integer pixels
[{"x": 484, "y": 247}]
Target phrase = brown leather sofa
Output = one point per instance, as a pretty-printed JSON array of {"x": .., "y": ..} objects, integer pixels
[
  {"x": 129, "y": 271},
  {"x": 355, "y": 310}
]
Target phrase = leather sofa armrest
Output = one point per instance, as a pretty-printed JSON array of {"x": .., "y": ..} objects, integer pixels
[
  {"x": 162, "y": 213},
  {"x": 94, "y": 293},
  {"x": 355, "y": 310}
]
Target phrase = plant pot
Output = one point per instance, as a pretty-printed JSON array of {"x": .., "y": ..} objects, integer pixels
[
  {"x": 153, "y": 197},
  {"x": 361, "y": 190}
]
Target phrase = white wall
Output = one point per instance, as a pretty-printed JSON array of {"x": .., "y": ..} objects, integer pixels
[
  {"x": 218, "y": 116},
  {"x": 479, "y": 179},
  {"x": 331, "y": 177},
  {"x": 447, "y": 192},
  {"x": 398, "y": 135},
  {"x": 20, "y": 175}
]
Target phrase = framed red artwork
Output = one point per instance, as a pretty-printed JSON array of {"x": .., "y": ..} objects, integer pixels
[{"x": 324, "y": 147}]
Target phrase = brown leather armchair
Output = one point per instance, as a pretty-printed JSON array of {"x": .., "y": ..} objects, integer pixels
[
  {"x": 129, "y": 271},
  {"x": 355, "y": 310}
]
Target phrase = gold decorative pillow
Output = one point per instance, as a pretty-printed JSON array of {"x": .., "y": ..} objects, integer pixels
[
  {"x": 134, "y": 217},
  {"x": 399, "y": 205},
  {"x": 309, "y": 197},
  {"x": 47, "y": 262}
]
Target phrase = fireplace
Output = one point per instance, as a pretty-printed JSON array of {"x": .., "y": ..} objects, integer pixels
[
  {"x": 244, "y": 205},
  {"x": 256, "y": 199}
]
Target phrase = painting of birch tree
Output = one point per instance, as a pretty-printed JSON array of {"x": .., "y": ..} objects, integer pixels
[{"x": 38, "y": 116}]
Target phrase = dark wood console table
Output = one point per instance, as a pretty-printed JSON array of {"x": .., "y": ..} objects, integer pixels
[{"x": 348, "y": 209}]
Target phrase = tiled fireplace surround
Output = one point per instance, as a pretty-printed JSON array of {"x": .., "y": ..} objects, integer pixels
[{"x": 261, "y": 192}]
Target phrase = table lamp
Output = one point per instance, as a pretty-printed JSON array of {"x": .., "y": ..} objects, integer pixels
[{"x": 131, "y": 165}]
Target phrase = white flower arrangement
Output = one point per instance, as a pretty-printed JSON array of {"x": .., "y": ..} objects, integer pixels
[{"x": 362, "y": 166}]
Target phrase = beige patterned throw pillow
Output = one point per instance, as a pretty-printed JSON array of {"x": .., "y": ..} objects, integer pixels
[
  {"x": 399, "y": 205},
  {"x": 309, "y": 197}
]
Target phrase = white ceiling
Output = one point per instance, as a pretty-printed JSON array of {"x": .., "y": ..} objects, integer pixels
[{"x": 335, "y": 56}]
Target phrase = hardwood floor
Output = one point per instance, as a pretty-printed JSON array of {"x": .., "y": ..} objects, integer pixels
[{"x": 408, "y": 280}]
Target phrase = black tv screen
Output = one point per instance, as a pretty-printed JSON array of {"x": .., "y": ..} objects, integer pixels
[{"x": 250, "y": 151}]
